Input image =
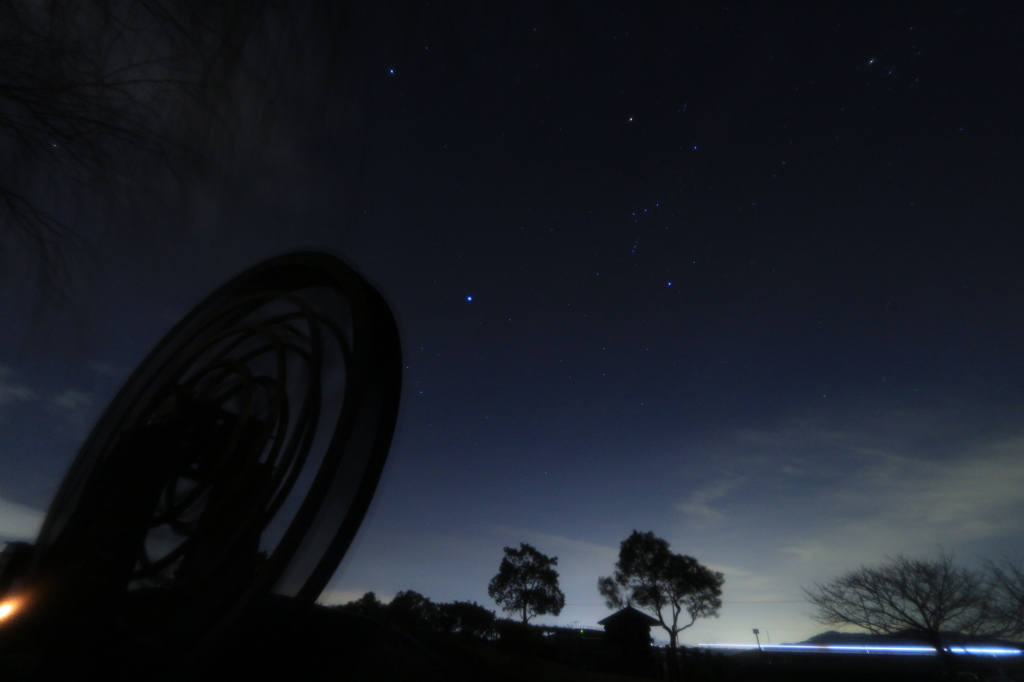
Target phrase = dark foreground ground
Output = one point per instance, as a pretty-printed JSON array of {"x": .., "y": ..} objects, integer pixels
[
  {"x": 341, "y": 647},
  {"x": 328, "y": 644},
  {"x": 334, "y": 645}
]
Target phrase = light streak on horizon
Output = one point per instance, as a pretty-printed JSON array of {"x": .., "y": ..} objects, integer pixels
[{"x": 868, "y": 649}]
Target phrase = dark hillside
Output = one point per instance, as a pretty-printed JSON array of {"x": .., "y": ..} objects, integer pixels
[{"x": 340, "y": 646}]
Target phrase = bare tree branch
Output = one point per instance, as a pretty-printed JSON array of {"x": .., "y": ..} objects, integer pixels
[
  {"x": 1006, "y": 581},
  {"x": 103, "y": 102},
  {"x": 924, "y": 597}
]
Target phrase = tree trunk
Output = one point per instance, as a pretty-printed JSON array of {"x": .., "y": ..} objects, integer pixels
[
  {"x": 946, "y": 658},
  {"x": 673, "y": 659}
]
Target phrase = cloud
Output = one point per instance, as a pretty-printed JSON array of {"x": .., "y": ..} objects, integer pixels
[
  {"x": 18, "y": 522},
  {"x": 913, "y": 505},
  {"x": 106, "y": 370},
  {"x": 819, "y": 495},
  {"x": 745, "y": 584},
  {"x": 730, "y": 570},
  {"x": 558, "y": 544},
  {"x": 809, "y": 551},
  {"x": 10, "y": 391},
  {"x": 71, "y": 400},
  {"x": 77, "y": 408},
  {"x": 699, "y": 502},
  {"x": 981, "y": 490}
]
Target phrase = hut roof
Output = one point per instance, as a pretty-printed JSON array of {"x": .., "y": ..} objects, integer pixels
[{"x": 629, "y": 615}]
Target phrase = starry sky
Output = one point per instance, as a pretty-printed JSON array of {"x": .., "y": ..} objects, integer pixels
[{"x": 747, "y": 275}]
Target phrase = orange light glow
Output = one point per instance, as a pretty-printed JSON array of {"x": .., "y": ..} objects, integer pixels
[{"x": 8, "y": 608}]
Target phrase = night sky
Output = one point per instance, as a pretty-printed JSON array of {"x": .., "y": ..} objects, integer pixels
[{"x": 749, "y": 277}]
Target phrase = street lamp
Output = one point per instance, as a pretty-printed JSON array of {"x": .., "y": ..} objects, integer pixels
[{"x": 756, "y": 632}]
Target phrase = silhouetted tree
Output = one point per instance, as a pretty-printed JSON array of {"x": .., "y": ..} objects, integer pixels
[
  {"x": 367, "y": 605},
  {"x": 92, "y": 91},
  {"x": 648, "y": 575},
  {"x": 468, "y": 619},
  {"x": 1006, "y": 582},
  {"x": 527, "y": 583},
  {"x": 925, "y": 598},
  {"x": 410, "y": 609}
]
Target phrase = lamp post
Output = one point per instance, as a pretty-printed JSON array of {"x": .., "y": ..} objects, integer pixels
[{"x": 756, "y": 632}]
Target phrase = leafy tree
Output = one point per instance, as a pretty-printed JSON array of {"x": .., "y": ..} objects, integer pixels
[
  {"x": 925, "y": 598},
  {"x": 650, "y": 576},
  {"x": 467, "y": 619},
  {"x": 527, "y": 583},
  {"x": 412, "y": 609},
  {"x": 368, "y": 605}
]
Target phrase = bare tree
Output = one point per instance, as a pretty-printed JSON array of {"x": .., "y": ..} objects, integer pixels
[
  {"x": 926, "y": 598},
  {"x": 1006, "y": 582},
  {"x": 107, "y": 101}
]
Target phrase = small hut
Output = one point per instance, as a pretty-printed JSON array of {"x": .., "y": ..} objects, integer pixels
[{"x": 629, "y": 633}]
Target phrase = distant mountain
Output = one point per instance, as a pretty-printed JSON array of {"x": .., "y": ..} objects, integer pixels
[{"x": 833, "y": 638}]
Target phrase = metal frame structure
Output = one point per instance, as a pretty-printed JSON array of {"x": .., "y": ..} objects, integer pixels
[{"x": 237, "y": 462}]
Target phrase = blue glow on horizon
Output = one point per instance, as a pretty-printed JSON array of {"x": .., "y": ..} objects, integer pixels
[{"x": 868, "y": 649}]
